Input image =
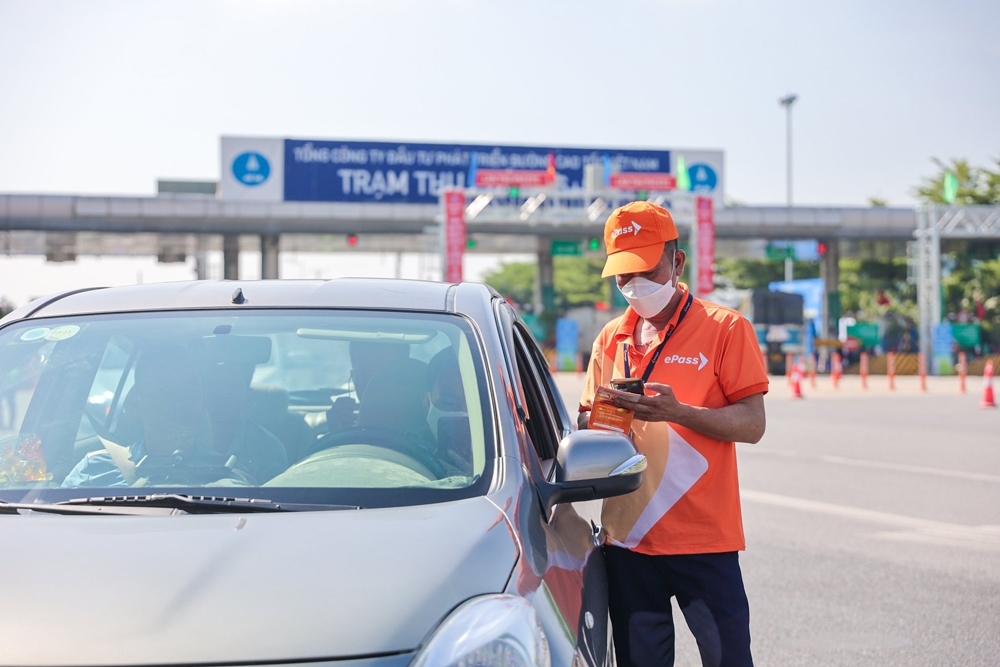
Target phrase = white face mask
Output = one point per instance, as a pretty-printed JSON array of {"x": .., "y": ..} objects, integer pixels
[
  {"x": 646, "y": 297},
  {"x": 434, "y": 414}
]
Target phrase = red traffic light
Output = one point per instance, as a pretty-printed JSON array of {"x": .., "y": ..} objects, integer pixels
[
  {"x": 352, "y": 240},
  {"x": 821, "y": 248}
]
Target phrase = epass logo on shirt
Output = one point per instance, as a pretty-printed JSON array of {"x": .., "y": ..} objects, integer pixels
[{"x": 700, "y": 360}]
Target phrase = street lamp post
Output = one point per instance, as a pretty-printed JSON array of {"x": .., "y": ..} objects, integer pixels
[{"x": 787, "y": 102}]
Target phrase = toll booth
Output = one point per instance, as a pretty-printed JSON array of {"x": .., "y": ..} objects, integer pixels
[{"x": 778, "y": 320}]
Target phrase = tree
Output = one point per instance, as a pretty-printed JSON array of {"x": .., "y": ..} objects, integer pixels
[
  {"x": 877, "y": 202},
  {"x": 876, "y": 287},
  {"x": 972, "y": 291},
  {"x": 577, "y": 282},
  {"x": 976, "y": 185},
  {"x": 759, "y": 273},
  {"x": 514, "y": 280},
  {"x": 5, "y": 306}
]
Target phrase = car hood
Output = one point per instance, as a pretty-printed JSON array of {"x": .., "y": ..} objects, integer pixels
[{"x": 228, "y": 588}]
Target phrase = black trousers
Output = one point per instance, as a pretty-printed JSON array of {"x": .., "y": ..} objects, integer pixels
[{"x": 709, "y": 590}]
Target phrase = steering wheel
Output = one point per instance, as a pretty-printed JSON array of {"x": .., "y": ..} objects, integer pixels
[{"x": 383, "y": 438}]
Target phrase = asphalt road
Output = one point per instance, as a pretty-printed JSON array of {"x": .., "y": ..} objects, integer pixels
[{"x": 873, "y": 526}]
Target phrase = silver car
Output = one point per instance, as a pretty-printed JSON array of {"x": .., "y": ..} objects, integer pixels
[{"x": 346, "y": 472}]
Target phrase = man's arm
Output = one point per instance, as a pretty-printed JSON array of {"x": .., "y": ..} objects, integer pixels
[{"x": 743, "y": 421}]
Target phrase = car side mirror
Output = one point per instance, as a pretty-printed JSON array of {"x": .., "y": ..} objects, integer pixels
[{"x": 594, "y": 464}]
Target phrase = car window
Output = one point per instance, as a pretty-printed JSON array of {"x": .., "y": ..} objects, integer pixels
[
  {"x": 560, "y": 416},
  {"x": 540, "y": 424},
  {"x": 368, "y": 408}
]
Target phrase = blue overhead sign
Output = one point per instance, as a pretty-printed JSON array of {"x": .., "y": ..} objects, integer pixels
[
  {"x": 277, "y": 169},
  {"x": 354, "y": 171}
]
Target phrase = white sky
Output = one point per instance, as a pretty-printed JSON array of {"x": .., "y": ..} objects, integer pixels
[{"x": 105, "y": 97}]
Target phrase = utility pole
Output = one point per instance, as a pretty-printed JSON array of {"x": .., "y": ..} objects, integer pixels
[{"x": 787, "y": 102}]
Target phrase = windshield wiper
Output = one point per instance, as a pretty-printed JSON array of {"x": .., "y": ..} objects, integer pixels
[
  {"x": 192, "y": 504},
  {"x": 60, "y": 508}
]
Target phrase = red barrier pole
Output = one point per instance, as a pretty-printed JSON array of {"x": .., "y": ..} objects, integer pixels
[
  {"x": 962, "y": 370},
  {"x": 579, "y": 364},
  {"x": 922, "y": 363},
  {"x": 789, "y": 362},
  {"x": 864, "y": 370},
  {"x": 891, "y": 370},
  {"x": 836, "y": 368}
]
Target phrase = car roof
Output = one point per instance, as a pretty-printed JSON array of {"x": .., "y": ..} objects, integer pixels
[{"x": 200, "y": 294}]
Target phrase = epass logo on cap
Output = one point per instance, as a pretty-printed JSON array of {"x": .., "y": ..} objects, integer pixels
[
  {"x": 631, "y": 227},
  {"x": 251, "y": 168},
  {"x": 700, "y": 360}
]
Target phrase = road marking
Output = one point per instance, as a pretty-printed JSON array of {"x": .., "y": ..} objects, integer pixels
[
  {"x": 923, "y": 530},
  {"x": 880, "y": 465}
]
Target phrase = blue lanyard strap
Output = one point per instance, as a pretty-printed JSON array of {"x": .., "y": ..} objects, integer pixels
[{"x": 659, "y": 349}]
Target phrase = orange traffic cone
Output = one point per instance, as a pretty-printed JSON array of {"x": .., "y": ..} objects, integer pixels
[
  {"x": 797, "y": 381},
  {"x": 988, "y": 401}
]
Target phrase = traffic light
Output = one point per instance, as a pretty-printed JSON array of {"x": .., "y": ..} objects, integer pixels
[
  {"x": 514, "y": 192},
  {"x": 594, "y": 244},
  {"x": 821, "y": 248},
  {"x": 470, "y": 243},
  {"x": 352, "y": 240}
]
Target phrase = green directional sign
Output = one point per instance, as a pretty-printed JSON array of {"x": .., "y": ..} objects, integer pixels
[
  {"x": 780, "y": 252},
  {"x": 565, "y": 248},
  {"x": 866, "y": 332},
  {"x": 966, "y": 335}
]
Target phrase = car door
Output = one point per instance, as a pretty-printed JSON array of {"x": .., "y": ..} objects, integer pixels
[{"x": 575, "y": 573}]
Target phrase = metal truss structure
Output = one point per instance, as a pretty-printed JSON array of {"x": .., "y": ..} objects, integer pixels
[
  {"x": 565, "y": 208},
  {"x": 550, "y": 212},
  {"x": 933, "y": 224}
]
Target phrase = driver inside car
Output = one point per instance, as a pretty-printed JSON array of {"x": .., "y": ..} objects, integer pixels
[
  {"x": 367, "y": 359},
  {"x": 176, "y": 446}
]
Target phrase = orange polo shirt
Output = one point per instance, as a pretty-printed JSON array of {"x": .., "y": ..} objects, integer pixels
[{"x": 689, "y": 501}]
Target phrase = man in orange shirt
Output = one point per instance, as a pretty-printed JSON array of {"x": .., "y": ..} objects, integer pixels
[{"x": 679, "y": 534}]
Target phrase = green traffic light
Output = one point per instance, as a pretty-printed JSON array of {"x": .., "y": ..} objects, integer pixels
[
  {"x": 470, "y": 244},
  {"x": 514, "y": 192},
  {"x": 595, "y": 244}
]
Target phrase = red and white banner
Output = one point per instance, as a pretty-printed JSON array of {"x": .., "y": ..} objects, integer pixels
[
  {"x": 492, "y": 178},
  {"x": 454, "y": 235},
  {"x": 706, "y": 245},
  {"x": 636, "y": 180}
]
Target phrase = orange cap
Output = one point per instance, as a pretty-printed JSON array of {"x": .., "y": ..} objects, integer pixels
[{"x": 634, "y": 235}]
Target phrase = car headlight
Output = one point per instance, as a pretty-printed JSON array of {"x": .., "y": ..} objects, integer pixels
[{"x": 488, "y": 631}]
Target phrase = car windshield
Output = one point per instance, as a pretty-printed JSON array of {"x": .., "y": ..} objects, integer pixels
[{"x": 321, "y": 406}]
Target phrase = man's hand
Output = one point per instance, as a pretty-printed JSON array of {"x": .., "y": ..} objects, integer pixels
[
  {"x": 661, "y": 407},
  {"x": 743, "y": 421}
]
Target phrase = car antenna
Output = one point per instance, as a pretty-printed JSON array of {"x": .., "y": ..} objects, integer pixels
[{"x": 238, "y": 297}]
